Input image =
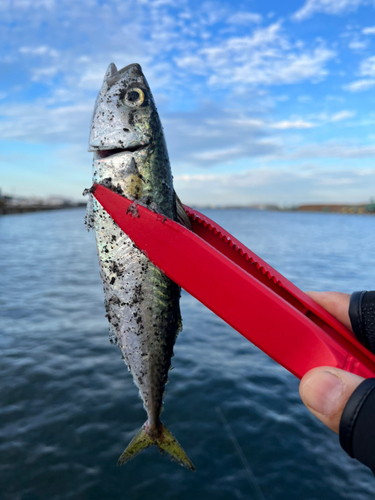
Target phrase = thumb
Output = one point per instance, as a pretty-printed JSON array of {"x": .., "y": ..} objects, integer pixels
[{"x": 325, "y": 392}]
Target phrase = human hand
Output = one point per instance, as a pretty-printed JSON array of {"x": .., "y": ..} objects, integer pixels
[{"x": 326, "y": 390}]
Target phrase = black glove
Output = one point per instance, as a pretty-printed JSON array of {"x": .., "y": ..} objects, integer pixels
[
  {"x": 362, "y": 318},
  {"x": 357, "y": 424}
]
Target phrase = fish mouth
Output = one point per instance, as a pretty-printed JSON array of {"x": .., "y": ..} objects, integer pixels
[{"x": 105, "y": 153}]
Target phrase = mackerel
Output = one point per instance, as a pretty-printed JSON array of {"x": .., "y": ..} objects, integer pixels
[{"x": 142, "y": 304}]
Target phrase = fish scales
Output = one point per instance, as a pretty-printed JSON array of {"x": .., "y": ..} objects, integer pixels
[
  {"x": 143, "y": 310},
  {"x": 142, "y": 304}
]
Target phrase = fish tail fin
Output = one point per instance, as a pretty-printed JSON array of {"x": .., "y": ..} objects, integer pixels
[
  {"x": 165, "y": 442},
  {"x": 168, "y": 443},
  {"x": 140, "y": 442}
]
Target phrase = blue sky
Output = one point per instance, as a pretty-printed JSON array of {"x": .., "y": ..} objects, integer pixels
[{"x": 264, "y": 102}]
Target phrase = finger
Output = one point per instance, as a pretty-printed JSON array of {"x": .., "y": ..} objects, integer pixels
[
  {"x": 336, "y": 303},
  {"x": 325, "y": 392}
]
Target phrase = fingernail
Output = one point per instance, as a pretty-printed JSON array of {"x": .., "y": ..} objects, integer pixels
[{"x": 322, "y": 392}]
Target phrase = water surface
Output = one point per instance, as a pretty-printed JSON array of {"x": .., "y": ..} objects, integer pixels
[{"x": 68, "y": 406}]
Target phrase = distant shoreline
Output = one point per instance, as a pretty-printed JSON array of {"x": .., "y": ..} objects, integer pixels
[
  {"x": 368, "y": 208},
  {"x": 6, "y": 209},
  {"x": 363, "y": 209}
]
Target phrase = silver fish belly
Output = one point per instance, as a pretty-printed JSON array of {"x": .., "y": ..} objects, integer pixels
[{"x": 142, "y": 304}]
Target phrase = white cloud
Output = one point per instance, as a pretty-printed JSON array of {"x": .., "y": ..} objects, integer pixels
[
  {"x": 157, "y": 3},
  {"x": 244, "y": 18},
  {"x": 46, "y": 73},
  {"x": 27, "y": 4},
  {"x": 299, "y": 184},
  {"x": 339, "y": 181},
  {"x": 335, "y": 98},
  {"x": 333, "y": 149},
  {"x": 342, "y": 115},
  {"x": 366, "y": 171},
  {"x": 266, "y": 57},
  {"x": 357, "y": 44},
  {"x": 369, "y": 31},
  {"x": 324, "y": 118},
  {"x": 328, "y": 7},
  {"x": 210, "y": 136},
  {"x": 39, "y": 51},
  {"x": 367, "y": 68},
  {"x": 218, "y": 155},
  {"x": 282, "y": 98},
  {"x": 304, "y": 98},
  {"x": 360, "y": 85},
  {"x": 38, "y": 124},
  {"x": 300, "y": 123},
  {"x": 296, "y": 124}
]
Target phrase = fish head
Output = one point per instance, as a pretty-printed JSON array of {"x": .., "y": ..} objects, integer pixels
[{"x": 123, "y": 112}]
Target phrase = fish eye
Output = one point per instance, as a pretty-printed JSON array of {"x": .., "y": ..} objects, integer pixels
[{"x": 134, "y": 97}]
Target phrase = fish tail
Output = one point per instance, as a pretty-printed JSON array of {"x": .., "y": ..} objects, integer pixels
[
  {"x": 168, "y": 443},
  {"x": 140, "y": 442},
  {"x": 165, "y": 441}
]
